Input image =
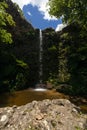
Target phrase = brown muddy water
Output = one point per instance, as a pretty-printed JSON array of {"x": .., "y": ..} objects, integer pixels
[{"x": 25, "y": 96}]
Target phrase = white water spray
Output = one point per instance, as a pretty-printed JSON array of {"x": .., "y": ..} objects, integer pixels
[{"x": 40, "y": 89}]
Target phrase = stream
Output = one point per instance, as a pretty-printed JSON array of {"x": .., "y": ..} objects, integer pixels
[{"x": 25, "y": 96}]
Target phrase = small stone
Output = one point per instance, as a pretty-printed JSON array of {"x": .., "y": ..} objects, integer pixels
[
  {"x": 39, "y": 117},
  {"x": 4, "y": 118},
  {"x": 10, "y": 111},
  {"x": 74, "y": 110},
  {"x": 81, "y": 124},
  {"x": 14, "y": 107}
]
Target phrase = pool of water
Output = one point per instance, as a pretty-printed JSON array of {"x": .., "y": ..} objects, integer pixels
[{"x": 25, "y": 96}]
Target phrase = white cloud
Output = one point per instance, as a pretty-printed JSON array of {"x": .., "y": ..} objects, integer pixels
[
  {"x": 41, "y": 4},
  {"x": 29, "y": 13},
  {"x": 60, "y": 27}
]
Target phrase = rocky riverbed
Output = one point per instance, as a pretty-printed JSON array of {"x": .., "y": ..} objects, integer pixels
[{"x": 56, "y": 114}]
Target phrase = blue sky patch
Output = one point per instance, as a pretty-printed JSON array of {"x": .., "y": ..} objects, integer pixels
[{"x": 36, "y": 18}]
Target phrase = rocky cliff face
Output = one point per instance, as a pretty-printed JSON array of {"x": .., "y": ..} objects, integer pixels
[
  {"x": 21, "y": 25},
  {"x": 50, "y": 53},
  {"x": 60, "y": 50}
]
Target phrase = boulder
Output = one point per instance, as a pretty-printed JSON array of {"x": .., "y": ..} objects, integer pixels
[{"x": 56, "y": 114}]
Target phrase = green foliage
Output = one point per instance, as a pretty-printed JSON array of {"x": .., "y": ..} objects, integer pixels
[
  {"x": 72, "y": 61},
  {"x": 77, "y": 128},
  {"x": 21, "y": 63},
  {"x": 12, "y": 72},
  {"x": 50, "y": 55},
  {"x": 53, "y": 48},
  {"x": 5, "y": 19},
  {"x": 69, "y": 10},
  {"x": 20, "y": 81},
  {"x": 5, "y": 37},
  {"x": 19, "y": 10},
  {"x": 76, "y": 53}
]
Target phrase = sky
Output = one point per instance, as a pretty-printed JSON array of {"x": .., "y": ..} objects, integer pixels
[{"x": 35, "y": 11}]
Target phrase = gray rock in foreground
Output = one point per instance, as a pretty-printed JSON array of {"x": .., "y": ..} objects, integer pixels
[{"x": 57, "y": 114}]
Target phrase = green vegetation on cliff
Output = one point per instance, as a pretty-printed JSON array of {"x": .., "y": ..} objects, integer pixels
[
  {"x": 19, "y": 61},
  {"x": 5, "y": 19},
  {"x": 73, "y": 43}
]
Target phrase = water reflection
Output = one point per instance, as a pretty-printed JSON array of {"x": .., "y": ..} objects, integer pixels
[{"x": 26, "y": 96}]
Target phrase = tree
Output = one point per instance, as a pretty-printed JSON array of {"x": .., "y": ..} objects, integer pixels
[
  {"x": 7, "y": 61},
  {"x": 69, "y": 10},
  {"x": 12, "y": 70},
  {"x": 19, "y": 10},
  {"x": 5, "y": 19},
  {"x": 73, "y": 40}
]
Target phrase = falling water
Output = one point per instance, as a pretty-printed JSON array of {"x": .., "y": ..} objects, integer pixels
[
  {"x": 40, "y": 57},
  {"x": 40, "y": 86}
]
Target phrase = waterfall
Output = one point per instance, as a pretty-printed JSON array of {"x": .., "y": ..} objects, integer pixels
[
  {"x": 40, "y": 57},
  {"x": 40, "y": 86}
]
